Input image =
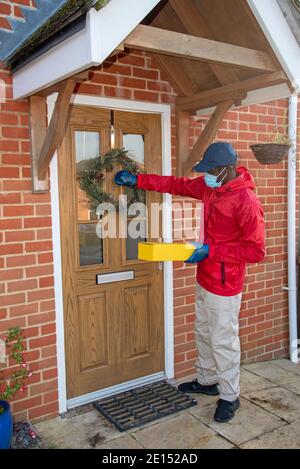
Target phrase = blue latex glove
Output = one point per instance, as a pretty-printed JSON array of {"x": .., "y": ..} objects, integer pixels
[
  {"x": 125, "y": 178},
  {"x": 200, "y": 253}
]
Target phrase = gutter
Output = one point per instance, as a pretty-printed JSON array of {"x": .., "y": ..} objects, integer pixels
[{"x": 292, "y": 255}]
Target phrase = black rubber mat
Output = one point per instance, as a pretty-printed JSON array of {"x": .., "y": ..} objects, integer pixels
[{"x": 142, "y": 405}]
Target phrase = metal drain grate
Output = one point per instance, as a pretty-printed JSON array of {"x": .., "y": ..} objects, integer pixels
[{"x": 142, "y": 405}]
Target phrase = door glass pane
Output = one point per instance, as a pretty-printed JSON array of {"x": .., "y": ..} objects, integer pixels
[
  {"x": 90, "y": 245},
  {"x": 137, "y": 232},
  {"x": 87, "y": 149},
  {"x": 135, "y": 145}
]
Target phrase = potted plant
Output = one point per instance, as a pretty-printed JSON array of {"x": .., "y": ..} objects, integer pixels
[
  {"x": 11, "y": 382},
  {"x": 277, "y": 148}
]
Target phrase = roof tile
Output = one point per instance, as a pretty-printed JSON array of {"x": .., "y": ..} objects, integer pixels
[{"x": 32, "y": 15}]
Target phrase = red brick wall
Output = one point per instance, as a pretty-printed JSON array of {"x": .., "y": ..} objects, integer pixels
[
  {"x": 26, "y": 248},
  {"x": 26, "y": 274}
]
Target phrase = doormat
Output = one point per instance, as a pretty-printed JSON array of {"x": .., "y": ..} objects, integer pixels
[{"x": 143, "y": 405}]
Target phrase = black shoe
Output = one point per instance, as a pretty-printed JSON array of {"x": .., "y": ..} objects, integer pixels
[
  {"x": 225, "y": 410},
  {"x": 194, "y": 386}
]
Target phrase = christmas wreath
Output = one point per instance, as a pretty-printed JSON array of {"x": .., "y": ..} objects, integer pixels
[{"x": 91, "y": 175}]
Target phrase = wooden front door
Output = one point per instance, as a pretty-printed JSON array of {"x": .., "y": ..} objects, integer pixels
[{"x": 114, "y": 331}]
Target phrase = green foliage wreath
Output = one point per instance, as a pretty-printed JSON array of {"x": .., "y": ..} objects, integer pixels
[{"x": 92, "y": 176}]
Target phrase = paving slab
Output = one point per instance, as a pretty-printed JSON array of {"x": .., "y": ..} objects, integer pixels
[
  {"x": 183, "y": 431},
  {"x": 278, "y": 401},
  {"x": 288, "y": 365},
  {"x": 252, "y": 382},
  {"x": 285, "y": 437},
  {"x": 294, "y": 386},
  {"x": 250, "y": 421},
  {"x": 124, "y": 442},
  {"x": 81, "y": 431},
  {"x": 273, "y": 373}
]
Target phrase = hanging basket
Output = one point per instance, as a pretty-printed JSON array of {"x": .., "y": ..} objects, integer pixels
[{"x": 270, "y": 153}]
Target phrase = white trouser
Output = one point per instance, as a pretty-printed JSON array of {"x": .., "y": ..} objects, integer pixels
[{"x": 218, "y": 343}]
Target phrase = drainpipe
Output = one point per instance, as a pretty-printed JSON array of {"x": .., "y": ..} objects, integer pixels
[{"x": 292, "y": 254}]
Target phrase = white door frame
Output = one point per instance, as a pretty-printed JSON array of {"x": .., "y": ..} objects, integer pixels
[{"x": 125, "y": 105}]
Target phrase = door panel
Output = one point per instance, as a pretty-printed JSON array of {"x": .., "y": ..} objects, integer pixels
[
  {"x": 93, "y": 320},
  {"x": 114, "y": 332},
  {"x": 137, "y": 320}
]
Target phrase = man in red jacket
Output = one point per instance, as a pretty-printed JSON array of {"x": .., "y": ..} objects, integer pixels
[{"x": 233, "y": 237}]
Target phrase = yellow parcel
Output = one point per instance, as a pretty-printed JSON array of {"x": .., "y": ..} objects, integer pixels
[{"x": 165, "y": 251}]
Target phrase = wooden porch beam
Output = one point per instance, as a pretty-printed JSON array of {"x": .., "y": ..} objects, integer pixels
[
  {"x": 194, "y": 24},
  {"x": 212, "y": 100},
  {"x": 181, "y": 83},
  {"x": 190, "y": 47},
  {"x": 207, "y": 136},
  {"x": 214, "y": 96},
  {"x": 57, "y": 126}
]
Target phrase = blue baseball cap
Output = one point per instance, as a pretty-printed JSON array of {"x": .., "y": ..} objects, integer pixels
[{"x": 217, "y": 154}]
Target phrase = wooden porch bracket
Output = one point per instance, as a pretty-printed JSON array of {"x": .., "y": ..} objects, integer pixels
[
  {"x": 162, "y": 41},
  {"x": 57, "y": 126},
  {"x": 207, "y": 136},
  {"x": 186, "y": 159},
  {"x": 44, "y": 142},
  {"x": 181, "y": 83}
]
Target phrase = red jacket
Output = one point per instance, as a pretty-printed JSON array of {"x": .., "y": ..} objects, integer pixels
[{"x": 233, "y": 226}]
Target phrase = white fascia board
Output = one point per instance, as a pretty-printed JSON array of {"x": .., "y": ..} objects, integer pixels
[
  {"x": 263, "y": 95},
  {"x": 105, "y": 30},
  {"x": 111, "y": 25},
  {"x": 277, "y": 31},
  {"x": 62, "y": 61}
]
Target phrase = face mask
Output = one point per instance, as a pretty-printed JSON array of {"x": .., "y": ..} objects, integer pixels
[{"x": 211, "y": 180}]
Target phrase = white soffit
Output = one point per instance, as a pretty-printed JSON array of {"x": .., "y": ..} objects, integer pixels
[
  {"x": 280, "y": 36},
  {"x": 104, "y": 31}
]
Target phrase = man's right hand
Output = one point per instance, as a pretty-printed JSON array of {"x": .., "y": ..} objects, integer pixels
[
  {"x": 125, "y": 178},
  {"x": 201, "y": 252}
]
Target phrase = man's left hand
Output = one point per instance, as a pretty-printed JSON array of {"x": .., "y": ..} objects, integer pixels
[{"x": 201, "y": 252}]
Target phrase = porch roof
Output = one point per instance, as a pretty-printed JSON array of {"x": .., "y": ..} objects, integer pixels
[
  {"x": 257, "y": 30},
  {"x": 216, "y": 55}
]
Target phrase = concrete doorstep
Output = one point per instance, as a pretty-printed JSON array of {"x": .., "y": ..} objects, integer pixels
[{"x": 269, "y": 418}]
